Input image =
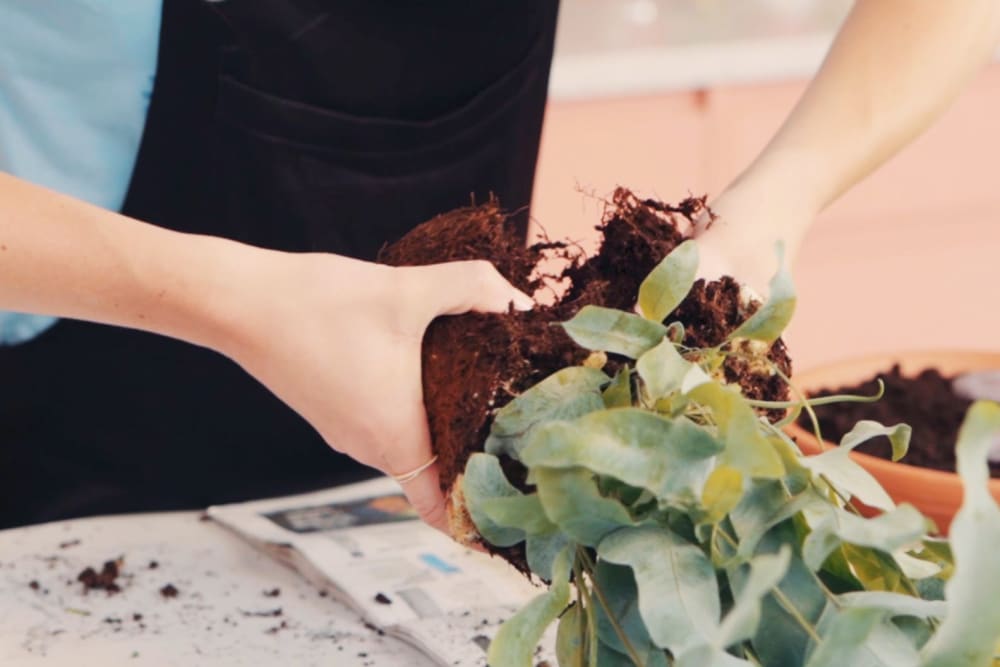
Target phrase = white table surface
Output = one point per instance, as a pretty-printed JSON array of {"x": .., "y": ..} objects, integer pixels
[{"x": 215, "y": 619}]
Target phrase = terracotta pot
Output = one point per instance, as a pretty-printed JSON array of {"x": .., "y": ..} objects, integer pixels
[{"x": 936, "y": 493}]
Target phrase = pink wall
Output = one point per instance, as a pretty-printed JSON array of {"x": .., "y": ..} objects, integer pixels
[{"x": 908, "y": 259}]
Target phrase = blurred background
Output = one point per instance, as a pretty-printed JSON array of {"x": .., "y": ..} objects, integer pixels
[{"x": 671, "y": 97}]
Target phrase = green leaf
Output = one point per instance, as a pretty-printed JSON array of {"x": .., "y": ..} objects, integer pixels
[
  {"x": 484, "y": 480},
  {"x": 747, "y": 447},
  {"x": 676, "y": 332},
  {"x": 848, "y": 477},
  {"x": 864, "y": 430},
  {"x": 875, "y": 569},
  {"x": 770, "y": 320},
  {"x": 669, "y": 457},
  {"x": 618, "y": 394},
  {"x": 678, "y": 592},
  {"x": 571, "y": 499},
  {"x": 565, "y": 394},
  {"x": 709, "y": 656},
  {"x": 607, "y": 330},
  {"x": 569, "y": 638},
  {"x": 522, "y": 511},
  {"x": 662, "y": 369},
  {"x": 894, "y": 604},
  {"x": 780, "y": 639},
  {"x": 722, "y": 492},
  {"x": 742, "y": 621},
  {"x": 515, "y": 641},
  {"x": 888, "y": 532},
  {"x": 617, "y": 588},
  {"x": 667, "y": 284},
  {"x": 861, "y": 637},
  {"x": 608, "y": 657},
  {"x": 761, "y": 508},
  {"x": 542, "y": 550},
  {"x": 969, "y": 633}
]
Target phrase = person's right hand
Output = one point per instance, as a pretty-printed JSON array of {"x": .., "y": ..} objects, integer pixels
[
  {"x": 742, "y": 240},
  {"x": 339, "y": 340}
]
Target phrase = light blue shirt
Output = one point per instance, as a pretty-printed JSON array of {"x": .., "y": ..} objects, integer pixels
[{"x": 75, "y": 81}]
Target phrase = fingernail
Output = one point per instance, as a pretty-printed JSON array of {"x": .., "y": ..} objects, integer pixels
[{"x": 523, "y": 302}]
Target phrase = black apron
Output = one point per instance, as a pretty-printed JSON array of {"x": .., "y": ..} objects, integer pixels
[{"x": 302, "y": 125}]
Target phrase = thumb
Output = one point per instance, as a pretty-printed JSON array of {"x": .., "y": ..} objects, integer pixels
[{"x": 459, "y": 287}]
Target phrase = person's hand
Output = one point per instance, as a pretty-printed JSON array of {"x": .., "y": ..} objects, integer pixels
[
  {"x": 742, "y": 240},
  {"x": 339, "y": 341}
]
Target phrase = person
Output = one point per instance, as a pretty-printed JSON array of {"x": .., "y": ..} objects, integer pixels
[
  {"x": 273, "y": 313},
  {"x": 302, "y": 127}
]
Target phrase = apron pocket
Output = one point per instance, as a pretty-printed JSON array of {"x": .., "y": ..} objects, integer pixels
[{"x": 306, "y": 178}]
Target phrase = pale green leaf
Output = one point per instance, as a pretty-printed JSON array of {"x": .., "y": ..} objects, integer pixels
[
  {"x": 571, "y": 499},
  {"x": 709, "y": 656},
  {"x": 747, "y": 448},
  {"x": 862, "y": 637},
  {"x": 542, "y": 550},
  {"x": 888, "y": 532},
  {"x": 722, "y": 492},
  {"x": 615, "y": 586},
  {"x": 570, "y": 638},
  {"x": 565, "y": 394},
  {"x": 894, "y": 604},
  {"x": 969, "y": 633},
  {"x": 678, "y": 592},
  {"x": 662, "y": 369},
  {"x": 780, "y": 639},
  {"x": 618, "y": 394},
  {"x": 522, "y": 511},
  {"x": 916, "y": 568},
  {"x": 875, "y": 569},
  {"x": 484, "y": 480},
  {"x": 607, "y": 330},
  {"x": 669, "y": 457},
  {"x": 515, "y": 641},
  {"x": 667, "y": 284},
  {"x": 766, "y": 572},
  {"x": 695, "y": 377},
  {"x": 608, "y": 657},
  {"x": 770, "y": 320},
  {"x": 675, "y": 332},
  {"x": 864, "y": 430},
  {"x": 849, "y": 478}
]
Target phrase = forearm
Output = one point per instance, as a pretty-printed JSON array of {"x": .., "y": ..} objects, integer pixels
[
  {"x": 892, "y": 69},
  {"x": 61, "y": 256}
]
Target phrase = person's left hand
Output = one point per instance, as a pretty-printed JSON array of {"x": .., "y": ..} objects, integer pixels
[{"x": 339, "y": 340}]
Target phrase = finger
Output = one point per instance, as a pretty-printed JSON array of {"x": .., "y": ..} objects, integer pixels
[
  {"x": 406, "y": 453},
  {"x": 711, "y": 263},
  {"x": 474, "y": 285},
  {"x": 424, "y": 494}
]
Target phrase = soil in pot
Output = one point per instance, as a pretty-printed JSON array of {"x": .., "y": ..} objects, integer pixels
[{"x": 927, "y": 401}]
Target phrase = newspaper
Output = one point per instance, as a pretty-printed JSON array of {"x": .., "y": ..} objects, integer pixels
[{"x": 365, "y": 544}]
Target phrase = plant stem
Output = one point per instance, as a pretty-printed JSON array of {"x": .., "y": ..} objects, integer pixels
[
  {"x": 822, "y": 400},
  {"x": 586, "y": 622},
  {"x": 589, "y": 566},
  {"x": 790, "y": 607}
]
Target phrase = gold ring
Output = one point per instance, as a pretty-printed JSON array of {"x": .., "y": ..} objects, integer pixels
[{"x": 413, "y": 474}]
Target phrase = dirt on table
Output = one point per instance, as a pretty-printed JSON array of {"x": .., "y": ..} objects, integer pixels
[
  {"x": 105, "y": 580},
  {"x": 473, "y": 364},
  {"x": 926, "y": 401}
]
